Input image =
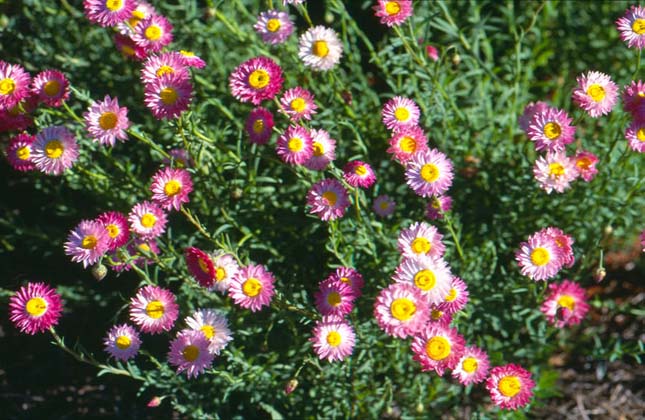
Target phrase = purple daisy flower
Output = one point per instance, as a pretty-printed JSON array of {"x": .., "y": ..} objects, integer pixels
[
  {"x": 328, "y": 199},
  {"x": 54, "y": 150},
  {"x": 108, "y": 12},
  {"x": 586, "y": 164},
  {"x": 634, "y": 99},
  {"x": 632, "y": 27},
  {"x": 259, "y": 125},
  {"x": 349, "y": 276},
  {"x": 190, "y": 59},
  {"x": 87, "y": 242},
  {"x": 400, "y": 310},
  {"x": 635, "y": 135},
  {"x": 383, "y": 205},
  {"x": 473, "y": 366},
  {"x": 168, "y": 96},
  {"x": 256, "y": 80},
  {"x": 106, "y": 121},
  {"x": 334, "y": 298},
  {"x": 438, "y": 205},
  {"x": 122, "y": 342},
  {"x": 551, "y": 130},
  {"x": 540, "y": 257},
  {"x": 189, "y": 353},
  {"x": 438, "y": 347},
  {"x": 274, "y": 26},
  {"x": 429, "y": 173},
  {"x": 51, "y": 87}
]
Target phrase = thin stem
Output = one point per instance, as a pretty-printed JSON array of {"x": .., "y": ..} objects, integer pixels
[
  {"x": 455, "y": 238},
  {"x": 73, "y": 114},
  {"x": 149, "y": 142}
]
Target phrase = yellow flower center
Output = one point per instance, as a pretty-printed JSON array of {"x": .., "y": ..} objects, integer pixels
[
  {"x": 333, "y": 338},
  {"x": 23, "y": 153},
  {"x": 36, "y": 306},
  {"x": 509, "y": 386},
  {"x": 114, "y": 5},
  {"x": 203, "y": 265},
  {"x": 148, "y": 220},
  {"x": 556, "y": 169},
  {"x": 430, "y": 172},
  {"x": 54, "y": 149},
  {"x": 425, "y": 280},
  {"x": 144, "y": 247},
  {"x": 186, "y": 53},
  {"x": 137, "y": 16},
  {"x": 52, "y": 88},
  {"x": 298, "y": 104},
  {"x": 360, "y": 170},
  {"x": 220, "y": 274},
  {"x": 190, "y": 353},
  {"x": 421, "y": 245},
  {"x": 346, "y": 280},
  {"x": 567, "y": 301},
  {"x": 639, "y": 26},
  {"x": 320, "y": 49},
  {"x": 319, "y": 149},
  {"x": 153, "y": 32},
  {"x": 172, "y": 188},
  {"x": 438, "y": 348},
  {"x": 112, "y": 230},
  {"x": 333, "y": 299},
  {"x": 392, "y": 7},
  {"x": 164, "y": 70},
  {"x": 408, "y": 144},
  {"x": 403, "y": 309},
  {"x": 208, "y": 331},
  {"x": 552, "y": 130},
  {"x": 295, "y": 144},
  {"x": 127, "y": 50},
  {"x": 469, "y": 365},
  {"x": 401, "y": 114},
  {"x": 435, "y": 203},
  {"x": 168, "y": 95},
  {"x": 123, "y": 342},
  {"x": 259, "y": 79},
  {"x": 107, "y": 120},
  {"x": 331, "y": 197},
  {"x": 384, "y": 205},
  {"x": 155, "y": 309},
  {"x": 540, "y": 256},
  {"x": 258, "y": 126},
  {"x": 7, "y": 86},
  {"x": 89, "y": 242},
  {"x": 583, "y": 163},
  {"x": 436, "y": 314},
  {"x": 640, "y": 134},
  {"x": 452, "y": 295},
  {"x": 596, "y": 92},
  {"x": 273, "y": 25},
  {"x": 252, "y": 287}
]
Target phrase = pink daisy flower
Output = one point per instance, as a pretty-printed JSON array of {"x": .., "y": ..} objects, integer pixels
[
  {"x": 473, "y": 366},
  {"x": 555, "y": 171},
  {"x": 142, "y": 11},
  {"x": 189, "y": 352},
  {"x": 632, "y": 27},
  {"x": 438, "y": 205},
  {"x": 256, "y": 80},
  {"x": 634, "y": 99},
  {"x": 333, "y": 339},
  {"x": 421, "y": 239},
  {"x": 87, "y": 242},
  {"x": 214, "y": 327},
  {"x": 565, "y": 304},
  {"x": 154, "y": 309},
  {"x": 399, "y": 113},
  {"x": 153, "y": 33},
  {"x": 15, "y": 118},
  {"x": 540, "y": 257},
  {"x": 295, "y": 145},
  {"x": 586, "y": 164},
  {"x": 116, "y": 227},
  {"x": 324, "y": 148},
  {"x": 298, "y": 103},
  {"x": 596, "y": 93},
  {"x": 430, "y": 275},
  {"x": 19, "y": 153},
  {"x": 274, "y": 27},
  {"x": 551, "y": 130},
  {"x": 394, "y": 12},
  {"x": 328, "y": 199},
  {"x": 320, "y": 48},
  {"x": 128, "y": 48},
  {"x": 456, "y": 298},
  {"x": 35, "y": 308},
  {"x": 383, "y": 205},
  {"x": 359, "y": 174},
  {"x": 160, "y": 64},
  {"x": 54, "y": 150},
  {"x": 226, "y": 268},
  {"x": 635, "y": 135},
  {"x": 429, "y": 173},
  {"x": 259, "y": 125},
  {"x": 190, "y": 59},
  {"x": 529, "y": 112},
  {"x": 349, "y": 276},
  {"x": 438, "y": 347},
  {"x": 170, "y": 188},
  {"x": 14, "y": 85},
  {"x": 168, "y": 96},
  {"x": 252, "y": 287},
  {"x": 334, "y": 298},
  {"x": 51, "y": 87},
  {"x": 108, "y": 12},
  {"x": 564, "y": 243},
  {"x": 400, "y": 310},
  {"x": 122, "y": 342},
  {"x": 439, "y": 317},
  {"x": 510, "y": 386},
  {"x": 200, "y": 265},
  {"x": 147, "y": 220},
  {"x": 106, "y": 121},
  {"x": 406, "y": 142}
]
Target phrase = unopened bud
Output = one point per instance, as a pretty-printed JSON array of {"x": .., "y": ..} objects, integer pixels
[
  {"x": 600, "y": 274},
  {"x": 456, "y": 59},
  {"x": 236, "y": 194},
  {"x": 99, "y": 271},
  {"x": 609, "y": 230},
  {"x": 291, "y": 386},
  {"x": 419, "y": 408},
  {"x": 154, "y": 402}
]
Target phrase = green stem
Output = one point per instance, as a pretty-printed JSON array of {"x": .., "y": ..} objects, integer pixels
[
  {"x": 73, "y": 114},
  {"x": 148, "y": 142},
  {"x": 455, "y": 238}
]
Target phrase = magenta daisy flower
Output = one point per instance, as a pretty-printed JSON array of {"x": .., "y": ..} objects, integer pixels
[
  {"x": 510, "y": 386},
  {"x": 170, "y": 188},
  {"x": 19, "y": 153},
  {"x": 429, "y": 173},
  {"x": 259, "y": 125},
  {"x": 51, "y": 87},
  {"x": 214, "y": 327},
  {"x": 430, "y": 275},
  {"x": 551, "y": 130},
  {"x": 333, "y": 339},
  {"x": 142, "y": 11},
  {"x": 586, "y": 164},
  {"x": 256, "y": 80},
  {"x": 87, "y": 242},
  {"x": 324, "y": 148},
  {"x": 439, "y": 317},
  {"x": 595, "y": 93},
  {"x": 401, "y": 310},
  {"x": 540, "y": 257},
  {"x": 564, "y": 243},
  {"x": 349, "y": 276},
  {"x": 168, "y": 96},
  {"x": 190, "y": 59},
  {"x": 328, "y": 199},
  {"x": 54, "y": 150},
  {"x": 634, "y": 99},
  {"x": 632, "y": 27},
  {"x": 108, "y": 12},
  {"x": 456, "y": 298},
  {"x": 157, "y": 65},
  {"x": 555, "y": 171},
  {"x": 252, "y": 287},
  {"x": 438, "y": 205},
  {"x": 298, "y": 103},
  {"x": 383, "y": 205},
  {"x": 128, "y": 48},
  {"x": 393, "y": 12},
  {"x": 406, "y": 142},
  {"x": 200, "y": 265},
  {"x": 438, "y": 347},
  {"x": 189, "y": 352},
  {"x": 153, "y": 33},
  {"x": 295, "y": 145},
  {"x": 122, "y": 342},
  {"x": 334, "y": 298},
  {"x": 359, "y": 174},
  {"x": 421, "y": 239},
  {"x": 320, "y": 48},
  {"x": 106, "y": 121},
  {"x": 35, "y": 308},
  {"x": 116, "y": 227},
  {"x": 274, "y": 27},
  {"x": 635, "y": 135},
  {"x": 14, "y": 85},
  {"x": 565, "y": 304},
  {"x": 226, "y": 268},
  {"x": 399, "y": 113},
  {"x": 154, "y": 309},
  {"x": 147, "y": 220},
  {"x": 529, "y": 112},
  {"x": 15, "y": 118},
  {"x": 473, "y": 366}
]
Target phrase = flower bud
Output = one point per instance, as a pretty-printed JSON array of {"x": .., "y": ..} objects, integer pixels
[
  {"x": 456, "y": 59},
  {"x": 99, "y": 271},
  {"x": 154, "y": 402},
  {"x": 599, "y": 274},
  {"x": 291, "y": 386}
]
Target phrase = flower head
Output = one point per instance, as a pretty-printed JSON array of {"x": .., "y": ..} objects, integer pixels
[
  {"x": 298, "y": 103},
  {"x": 349, "y": 276},
  {"x": 128, "y": 48},
  {"x": 106, "y": 121},
  {"x": 529, "y": 112},
  {"x": 274, "y": 26},
  {"x": 122, "y": 342},
  {"x": 226, "y": 268},
  {"x": 564, "y": 243},
  {"x": 252, "y": 287},
  {"x": 586, "y": 164},
  {"x": 108, "y": 12},
  {"x": 565, "y": 304},
  {"x": 333, "y": 339},
  {"x": 259, "y": 125},
  {"x": 473, "y": 366},
  {"x": 383, "y": 205},
  {"x": 19, "y": 152},
  {"x": 320, "y": 48},
  {"x": 35, "y": 308},
  {"x": 430, "y": 275},
  {"x": 142, "y": 10},
  {"x": 406, "y": 142},
  {"x": 510, "y": 386},
  {"x": 147, "y": 220},
  {"x": 634, "y": 99},
  {"x": 170, "y": 188},
  {"x": 190, "y": 59},
  {"x": 51, "y": 87},
  {"x": 393, "y": 12},
  {"x": 54, "y": 150},
  {"x": 200, "y": 265},
  {"x": 540, "y": 257},
  {"x": 456, "y": 298},
  {"x": 189, "y": 352},
  {"x": 14, "y": 85},
  {"x": 359, "y": 174},
  {"x": 438, "y": 205},
  {"x": 153, "y": 33},
  {"x": 334, "y": 298},
  {"x": 87, "y": 242},
  {"x": 399, "y": 113},
  {"x": 429, "y": 173},
  {"x": 438, "y": 347},
  {"x": 116, "y": 226},
  {"x": 401, "y": 310},
  {"x": 256, "y": 80},
  {"x": 420, "y": 239},
  {"x": 595, "y": 93},
  {"x": 632, "y": 27},
  {"x": 213, "y": 326},
  {"x": 328, "y": 199},
  {"x": 555, "y": 171},
  {"x": 295, "y": 145},
  {"x": 635, "y": 135},
  {"x": 550, "y": 129},
  {"x": 154, "y": 309},
  {"x": 324, "y": 148},
  {"x": 168, "y": 96},
  {"x": 160, "y": 64}
]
